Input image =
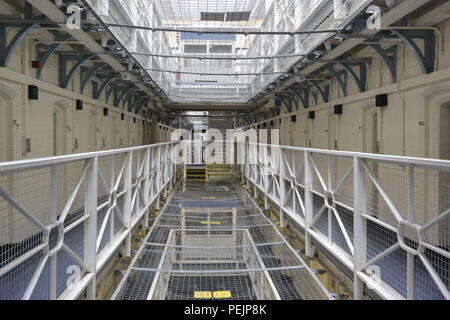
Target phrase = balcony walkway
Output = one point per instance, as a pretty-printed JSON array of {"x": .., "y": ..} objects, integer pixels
[{"x": 211, "y": 241}]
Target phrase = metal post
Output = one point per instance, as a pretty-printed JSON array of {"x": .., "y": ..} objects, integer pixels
[
  {"x": 127, "y": 202},
  {"x": 359, "y": 226},
  {"x": 410, "y": 256},
  {"x": 90, "y": 244},
  {"x": 308, "y": 203},
  {"x": 282, "y": 188},
  {"x": 146, "y": 188},
  {"x": 53, "y": 219},
  {"x": 330, "y": 211}
]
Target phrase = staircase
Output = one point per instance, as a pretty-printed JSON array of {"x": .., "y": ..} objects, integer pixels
[{"x": 196, "y": 172}]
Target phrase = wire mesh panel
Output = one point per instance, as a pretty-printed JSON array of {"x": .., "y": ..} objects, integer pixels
[
  {"x": 212, "y": 252},
  {"x": 408, "y": 227},
  {"x": 243, "y": 48},
  {"x": 62, "y": 218},
  {"x": 386, "y": 217}
]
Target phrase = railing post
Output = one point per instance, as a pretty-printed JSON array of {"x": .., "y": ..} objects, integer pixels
[
  {"x": 359, "y": 226},
  {"x": 90, "y": 230},
  {"x": 282, "y": 187},
  {"x": 308, "y": 203},
  {"x": 146, "y": 188},
  {"x": 53, "y": 219},
  {"x": 409, "y": 256},
  {"x": 330, "y": 187},
  {"x": 127, "y": 202}
]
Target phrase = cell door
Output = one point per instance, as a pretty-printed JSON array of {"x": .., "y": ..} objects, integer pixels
[{"x": 6, "y": 126}]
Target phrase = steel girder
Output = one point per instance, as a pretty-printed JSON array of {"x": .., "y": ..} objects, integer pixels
[
  {"x": 49, "y": 50},
  {"x": 99, "y": 90},
  {"x": 64, "y": 76},
  {"x": 324, "y": 92},
  {"x": 8, "y": 48},
  {"x": 302, "y": 94},
  {"x": 286, "y": 100},
  {"x": 425, "y": 58},
  {"x": 361, "y": 78},
  {"x": 137, "y": 105},
  {"x": 293, "y": 96},
  {"x": 89, "y": 73},
  {"x": 119, "y": 97},
  {"x": 389, "y": 57},
  {"x": 131, "y": 98},
  {"x": 275, "y": 111},
  {"x": 140, "y": 103},
  {"x": 340, "y": 76}
]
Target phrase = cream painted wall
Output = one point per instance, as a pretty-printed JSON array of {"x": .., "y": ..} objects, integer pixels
[{"x": 85, "y": 130}]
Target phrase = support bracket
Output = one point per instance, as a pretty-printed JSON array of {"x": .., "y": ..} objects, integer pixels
[
  {"x": 7, "y": 48},
  {"x": 90, "y": 72},
  {"x": 340, "y": 76},
  {"x": 49, "y": 50},
  {"x": 426, "y": 57},
  {"x": 108, "y": 80},
  {"x": 324, "y": 92},
  {"x": 389, "y": 57},
  {"x": 64, "y": 76},
  {"x": 361, "y": 79}
]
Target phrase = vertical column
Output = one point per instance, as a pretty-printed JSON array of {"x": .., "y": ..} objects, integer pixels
[
  {"x": 410, "y": 256},
  {"x": 330, "y": 188},
  {"x": 53, "y": 219},
  {"x": 127, "y": 201},
  {"x": 90, "y": 230},
  {"x": 359, "y": 225},
  {"x": 146, "y": 186},
  {"x": 158, "y": 178},
  {"x": 282, "y": 186},
  {"x": 308, "y": 202}
]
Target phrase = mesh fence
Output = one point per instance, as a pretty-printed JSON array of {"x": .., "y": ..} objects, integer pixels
[{"x": 219, "y": 247}]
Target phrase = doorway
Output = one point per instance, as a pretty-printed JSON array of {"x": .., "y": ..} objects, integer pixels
[
  {"x": 6, "y": 126},
  {"x": 59, "y": 130}
]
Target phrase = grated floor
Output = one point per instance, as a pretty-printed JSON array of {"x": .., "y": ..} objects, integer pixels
[{"x": 211, "y": 241}]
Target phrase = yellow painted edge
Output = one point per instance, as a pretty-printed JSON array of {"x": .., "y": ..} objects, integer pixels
[
  {"x": 202, "y": 295},
  {"x": 222, "y": 294}
]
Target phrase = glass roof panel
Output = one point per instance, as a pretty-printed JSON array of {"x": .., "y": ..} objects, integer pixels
[{"x": 221, "y": 51}]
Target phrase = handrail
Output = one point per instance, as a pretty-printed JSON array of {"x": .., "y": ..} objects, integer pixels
[
  {"x": 391, "y": 211},
  {"x": 45, "y": 161}
]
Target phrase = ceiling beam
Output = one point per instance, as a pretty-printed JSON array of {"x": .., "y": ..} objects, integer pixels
[
  {"x": 54, "y": 13},
  {"x": 211, "y": 107},
  {"x": 395, "y": 14}
]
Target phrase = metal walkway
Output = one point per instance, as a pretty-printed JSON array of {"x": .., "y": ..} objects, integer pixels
[{"x": 211, "y": 241}]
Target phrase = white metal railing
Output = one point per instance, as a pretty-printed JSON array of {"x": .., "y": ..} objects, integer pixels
[
  {"x": 385, "y": 218},
  {"x": 63, "y": 218}
]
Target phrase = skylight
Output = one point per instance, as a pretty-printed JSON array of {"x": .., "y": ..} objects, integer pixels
[{"x": 192, "y": 49}]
